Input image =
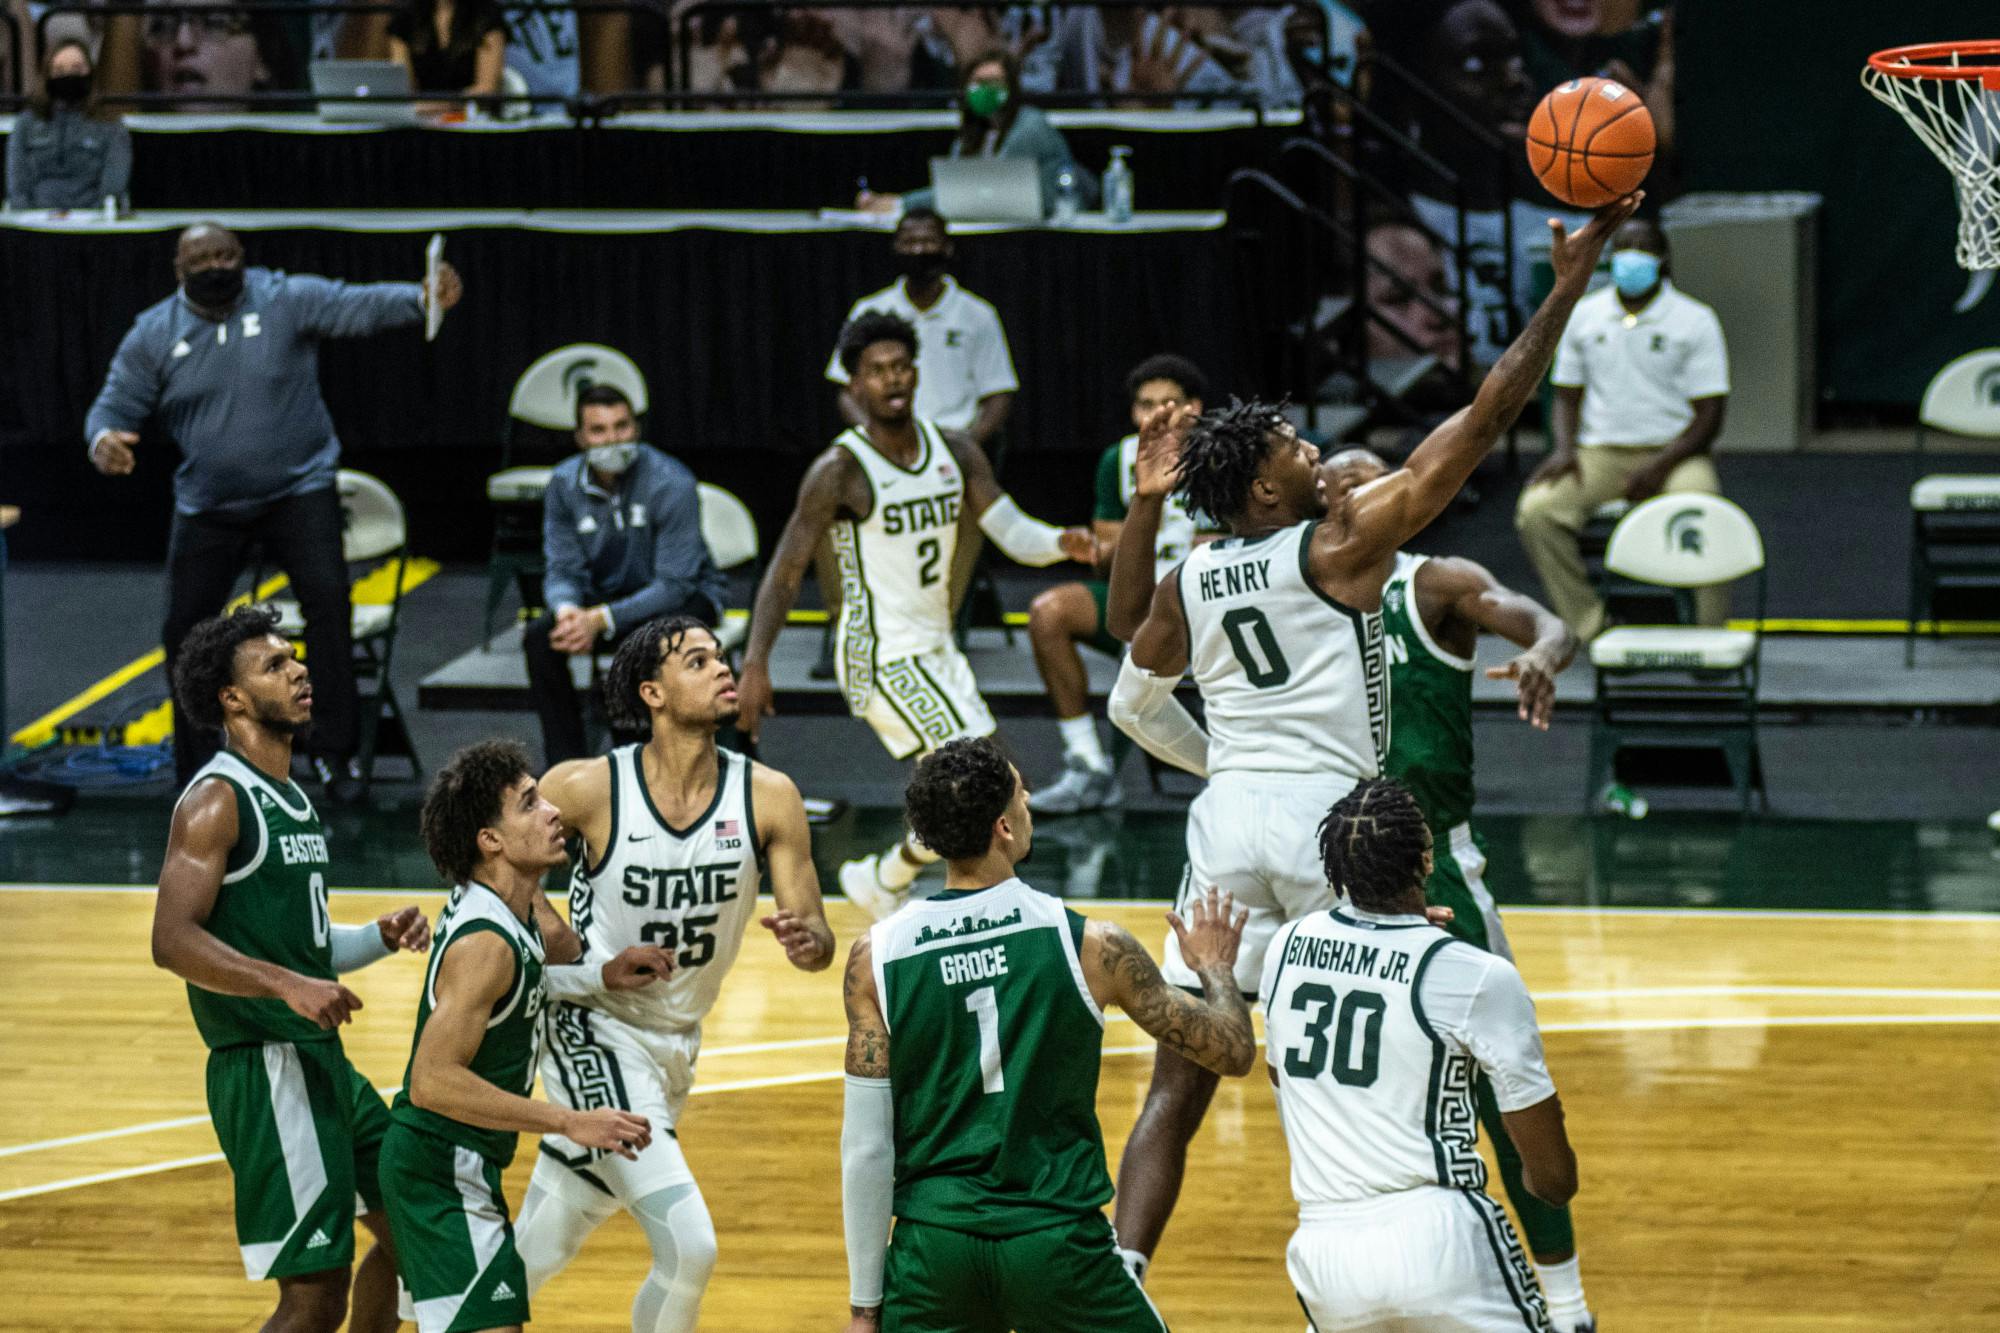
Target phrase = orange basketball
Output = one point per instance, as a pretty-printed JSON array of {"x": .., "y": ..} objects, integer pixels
[{"x": 1590, "y": 141}]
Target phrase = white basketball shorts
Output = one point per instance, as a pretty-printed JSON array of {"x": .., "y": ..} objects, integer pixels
[
  {"x": 1255, "y": 835},
  {"x": 923, "y": 702},
  {"x": 590, "y": 1061},
  {"x": 1420, "y": 1261}
]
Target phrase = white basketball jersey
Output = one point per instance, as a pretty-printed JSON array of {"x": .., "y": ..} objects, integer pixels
[
  {"x": 895, "y": 565},
  {"x": 1177, "y": 527},
  {"x": 692, "y": 891},
  {"x": 1293, "y": 682},
  {"x": 1374, "y": 1099}
]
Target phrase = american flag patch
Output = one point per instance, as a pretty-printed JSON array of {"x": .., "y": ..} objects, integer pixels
[{"x": 726, "y": 828}]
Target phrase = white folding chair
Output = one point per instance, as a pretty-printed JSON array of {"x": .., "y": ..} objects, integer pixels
[
  {"x": 1681, "y": 687},
  {"x": 730, "y": 533},
  {"x": 1955, "y": 518}
]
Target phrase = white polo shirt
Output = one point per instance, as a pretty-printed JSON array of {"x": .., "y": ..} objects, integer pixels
[
  {"x": 962, "y": 353},
  {"x": 1639, "y": 373}
]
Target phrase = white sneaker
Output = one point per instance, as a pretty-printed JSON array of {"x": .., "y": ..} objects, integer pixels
[{"x": 861, "y": 881}]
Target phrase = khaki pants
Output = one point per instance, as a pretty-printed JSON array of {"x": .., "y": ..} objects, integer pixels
[{"x": 1551, "y": 515}]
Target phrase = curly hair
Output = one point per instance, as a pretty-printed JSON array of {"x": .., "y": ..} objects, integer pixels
[
  {"x": 206, "y": 663},
  {"x": 464, "y": 798},
  {"x": 1178, "y": 370},
  {"x": 637, "y": 661},
  {"x": 1222, "y": 455},
  {"x": 1372, "y": 844},
  {"x": 957, "y": 793},
  {"x": 871, "y": 327}
]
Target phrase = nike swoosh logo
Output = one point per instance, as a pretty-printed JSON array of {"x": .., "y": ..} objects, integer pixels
[{"x": 638, "y": 837}]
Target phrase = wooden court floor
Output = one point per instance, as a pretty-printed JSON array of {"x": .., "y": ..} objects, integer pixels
[{"x": 1784, "y": 1122}]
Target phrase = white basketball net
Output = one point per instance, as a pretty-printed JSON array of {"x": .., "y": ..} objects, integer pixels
[{"x": 1958, "y": 119}]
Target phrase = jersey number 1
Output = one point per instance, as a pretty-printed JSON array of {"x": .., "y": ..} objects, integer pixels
[
  {"x": 985, "y": 1006},
  {"x": 1272, "y": 670},
  {"x": 1312, "y": 1059}
]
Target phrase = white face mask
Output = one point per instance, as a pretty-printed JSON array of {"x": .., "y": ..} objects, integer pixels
[{"x": 612, "y": 459}]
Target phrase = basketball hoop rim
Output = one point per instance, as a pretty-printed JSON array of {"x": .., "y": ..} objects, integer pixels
[{"x": 1898, "y": 62}]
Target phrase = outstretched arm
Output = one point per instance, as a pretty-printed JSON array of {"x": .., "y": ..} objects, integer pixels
[
  {"x": 832, "y": 483},
  {"x": 1024, "y": 540},
  {"x": 1214, "y": 1031},
  {"x": 1157, "y": 472},
  {"x": 1461, "y": 597},
  {"x": 1388, "y": 512},
  {"x": 867, "y": 1140}
]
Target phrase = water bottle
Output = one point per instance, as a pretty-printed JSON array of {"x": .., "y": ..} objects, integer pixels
[
  {"x": 1118, "y": 186},
  {"x": 1069, "y": 197}
]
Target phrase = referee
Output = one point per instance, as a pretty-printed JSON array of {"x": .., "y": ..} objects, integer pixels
[{"x": 229, "y": 364}]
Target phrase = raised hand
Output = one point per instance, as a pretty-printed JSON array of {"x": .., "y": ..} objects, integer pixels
[
  {"x": 1576, "y": 256},
  {"x": 1211, "y": 932},
  {"x": 1535, "y": 686},
  {"x": 638, "y": 967},
  {"x": 407, "y": 929},
  {"x": 609, "y": 1130},
  {"x": 327, "y": 1003},
  {"x": 1157, "y": 469}
]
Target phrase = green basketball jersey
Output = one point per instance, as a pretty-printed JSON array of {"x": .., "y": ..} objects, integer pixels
[
  {"x": 271, "y": 906},
  {"x": 994, "y": 1047},
  {"x": 509, "y": 1051},
  {"x": 1430, "y": 706}
]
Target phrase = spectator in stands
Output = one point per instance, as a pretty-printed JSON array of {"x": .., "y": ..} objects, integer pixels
[
  {"x": 1073, "y": 613},
  {"x": 994, "y": 121},
  {"x": 450, "y": 46},
  {"x": 1127, "y": 51},
  {"x": 65, "y": 151},
  {"x": 216, "y": 55},
  {"x": 1642, "y": 379},
  {"x": 229, "y": 368},
  {"x": 1569, "y": 39},
  {"x": 965, "y": 373},
  {"x": 621, "y": 545},
  {"x": 1407, "y": 287},
  {"x": 1468, "y": 53}
]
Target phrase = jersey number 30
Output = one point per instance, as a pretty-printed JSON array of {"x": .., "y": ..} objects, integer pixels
[
  {"x": 1262, "y": 662},
  {"x": 1312, "y": 1059}
]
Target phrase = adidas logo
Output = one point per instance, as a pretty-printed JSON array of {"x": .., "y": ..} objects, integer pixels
[
  {"x": 503, "y": 1292},
  {"x": 319, "y": 1238}
]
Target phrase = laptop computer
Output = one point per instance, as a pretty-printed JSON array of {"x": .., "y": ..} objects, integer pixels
[
  {"x": 988, "y": 189},
  {"x": 363, "y": 79}
]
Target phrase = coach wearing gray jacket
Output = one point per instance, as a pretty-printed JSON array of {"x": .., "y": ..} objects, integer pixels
[{"x": 228, "y": 366}]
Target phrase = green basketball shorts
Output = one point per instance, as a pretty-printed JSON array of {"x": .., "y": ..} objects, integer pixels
[
  {"x": 1102, "y": 640},
  {"x": 454, "y": 1238},
  {"x": 1062, "y": 1279},
  {"x": 303, "y": 1132}
]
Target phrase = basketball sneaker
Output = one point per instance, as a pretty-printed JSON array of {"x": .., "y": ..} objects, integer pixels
[
  {"x": 1080, "y": 788},
  {"x": 861, "y": 881}
]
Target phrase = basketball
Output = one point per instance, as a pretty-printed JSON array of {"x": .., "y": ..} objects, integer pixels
[{"x": 1590, "y": 141}]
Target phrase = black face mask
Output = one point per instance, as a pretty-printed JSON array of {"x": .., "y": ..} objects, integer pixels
[
  {"x": 921, "y": 268},
  {"x": 69, "y": 87},
  {"x": 214, "y": 288}
]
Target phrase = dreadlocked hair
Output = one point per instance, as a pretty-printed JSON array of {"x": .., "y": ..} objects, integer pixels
[
  {"x": 1222, "y": 454},
  {"x": 637, "y": 661},
  {"x": 1372, "y": 844}
]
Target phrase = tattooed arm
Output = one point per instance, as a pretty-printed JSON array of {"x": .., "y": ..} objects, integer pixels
[
  {"x": 1215, "y": 1031},
  {"x": 867, "y": 1141}
]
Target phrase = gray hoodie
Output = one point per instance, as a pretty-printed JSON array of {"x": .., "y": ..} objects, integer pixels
[{"x": 240, "y": 397}]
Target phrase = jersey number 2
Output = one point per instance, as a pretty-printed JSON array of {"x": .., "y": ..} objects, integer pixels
[
  {"x": 985, "y": 1006},
  {"x": 1311, "y": 1060},
  {"x": 928, "y": 550},
  {"x": 1272, "y": 670}
]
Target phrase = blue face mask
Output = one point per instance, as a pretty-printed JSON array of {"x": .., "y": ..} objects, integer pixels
[{"x": 1634, "y": 272}]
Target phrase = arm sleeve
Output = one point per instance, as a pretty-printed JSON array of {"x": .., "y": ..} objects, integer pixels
[
  {"x": 1568, "y": 371},
  {"x": 1705, "y": 374},
  {"x": 867, "y": 1183},
  {"x": 1498, "y": 1025},
  {"x": 1110, "y": 490},
  {"x": 329, "y": 308},
  {"x": 355, "y": 947},
  {"x": 563, "y": 582},
  {"x": 679, "y": 554},
  {"x": 993, "y": 364},
  {"x": 575, "y": 981},
  {"x": 131, "y": 389},
  {"x": 1143, "y": 707},
  {"x": 115, "y": 178},
  {"x": 1024, "y": 540}
]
